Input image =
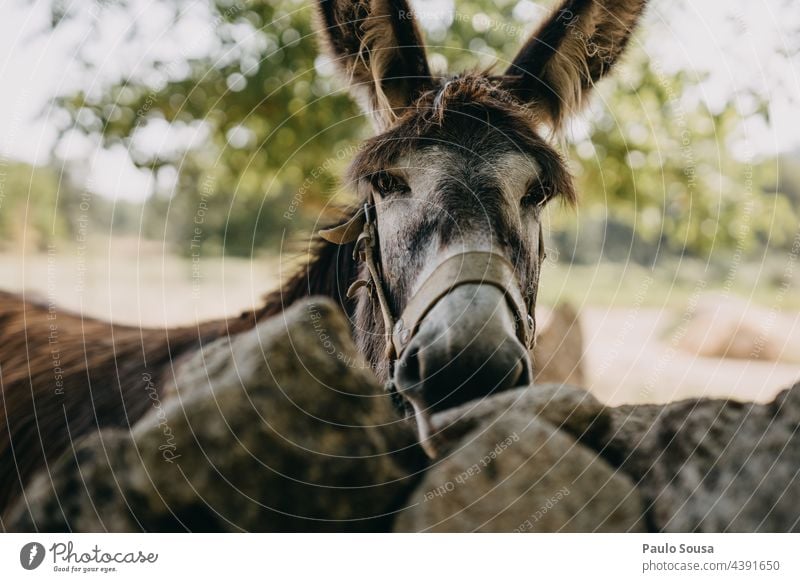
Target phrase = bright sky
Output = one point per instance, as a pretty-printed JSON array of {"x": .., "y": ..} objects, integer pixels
[{"x": 734, "y": 41}]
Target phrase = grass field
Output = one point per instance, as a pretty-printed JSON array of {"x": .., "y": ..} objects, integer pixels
[{"x": 670, "y": 285}]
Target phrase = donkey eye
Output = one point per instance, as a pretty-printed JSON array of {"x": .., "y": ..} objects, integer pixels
[
  {"x": 535, "y": 195},
  {"x": 386, "y": 184}
]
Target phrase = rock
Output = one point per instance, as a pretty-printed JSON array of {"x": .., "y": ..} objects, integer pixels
[
  {"x": 259, "y": 436},
  {"x": 517, "y": 465},
  {"x": 558, "y": 354},
  {"x": 713, "y": 465},
  {"x": 552, "y": 458},
  {"x": 88, "y": 492},
  {"x": 721, "y": 326}
]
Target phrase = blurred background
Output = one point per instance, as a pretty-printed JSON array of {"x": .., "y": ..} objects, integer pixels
[{"x": 163, "y": 161}]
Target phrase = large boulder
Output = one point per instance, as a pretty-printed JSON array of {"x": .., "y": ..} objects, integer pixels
[
  {"x": 723, "y": 326},
  {"x": 516, "y": 463},
  {"x": 713, "y": 465},
  {"x": 553, "y": 459},
  {"x": 558, "y": 353}
]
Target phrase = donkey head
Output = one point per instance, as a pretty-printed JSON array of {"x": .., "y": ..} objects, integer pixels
[{"x": 460, "y": 168}]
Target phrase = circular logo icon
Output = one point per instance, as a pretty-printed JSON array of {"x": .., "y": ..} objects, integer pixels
[{"x": 31, "y": 555}]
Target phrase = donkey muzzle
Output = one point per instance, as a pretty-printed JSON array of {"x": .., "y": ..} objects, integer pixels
[
  {"x": 466, "y": 347},
  {"x": 464, "y": 334}
]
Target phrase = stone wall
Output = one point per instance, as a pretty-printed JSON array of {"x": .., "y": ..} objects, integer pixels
[{"x": 285, "y": 429}]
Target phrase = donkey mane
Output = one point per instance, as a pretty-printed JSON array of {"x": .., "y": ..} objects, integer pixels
[{"x": 328, "y": 271}]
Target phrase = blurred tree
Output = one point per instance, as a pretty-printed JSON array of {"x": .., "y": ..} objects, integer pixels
[
  {"x": 264, "y": 129},
  {"x": 248, "y": 97},
  {"x": 28, "y": 206},
  {"x": 661, "y": 163}
]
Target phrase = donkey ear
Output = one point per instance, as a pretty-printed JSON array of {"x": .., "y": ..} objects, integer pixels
[
  {"x": 571, "y": 50},
  {"x": 377, "y": 46}
]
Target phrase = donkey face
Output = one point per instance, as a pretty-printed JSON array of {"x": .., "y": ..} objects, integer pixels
[
  {"x": 460, "y": 164},
  {"x": 462, "y": 170}
]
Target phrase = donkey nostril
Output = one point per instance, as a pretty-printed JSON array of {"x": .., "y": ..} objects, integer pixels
[{"x": 409, "y": 370}]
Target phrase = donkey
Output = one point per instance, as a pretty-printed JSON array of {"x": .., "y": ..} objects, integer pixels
[{"x": 437, "y": 267}]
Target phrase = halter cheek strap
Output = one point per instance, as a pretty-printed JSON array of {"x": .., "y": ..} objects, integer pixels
[
  {"x": 361, "y": 228},
  {"x": 472, "y": 267}
]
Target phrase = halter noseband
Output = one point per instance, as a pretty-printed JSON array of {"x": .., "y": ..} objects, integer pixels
[{"x": 470, "y": 267}]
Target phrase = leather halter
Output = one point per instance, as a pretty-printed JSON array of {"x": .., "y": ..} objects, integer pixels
[{"x": 471, "y": 267}]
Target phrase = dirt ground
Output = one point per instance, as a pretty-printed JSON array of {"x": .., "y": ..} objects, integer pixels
[{"x": 631, "y": 355}]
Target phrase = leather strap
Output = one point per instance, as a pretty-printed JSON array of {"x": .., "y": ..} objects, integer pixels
[
  {"x": 347, "y": 232},
  {"x": 473, "y": 267},
  {"x": 369, "y": 237}
]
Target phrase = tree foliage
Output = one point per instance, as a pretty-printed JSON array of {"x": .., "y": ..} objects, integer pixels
[{"x": 265, "y": 129}]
